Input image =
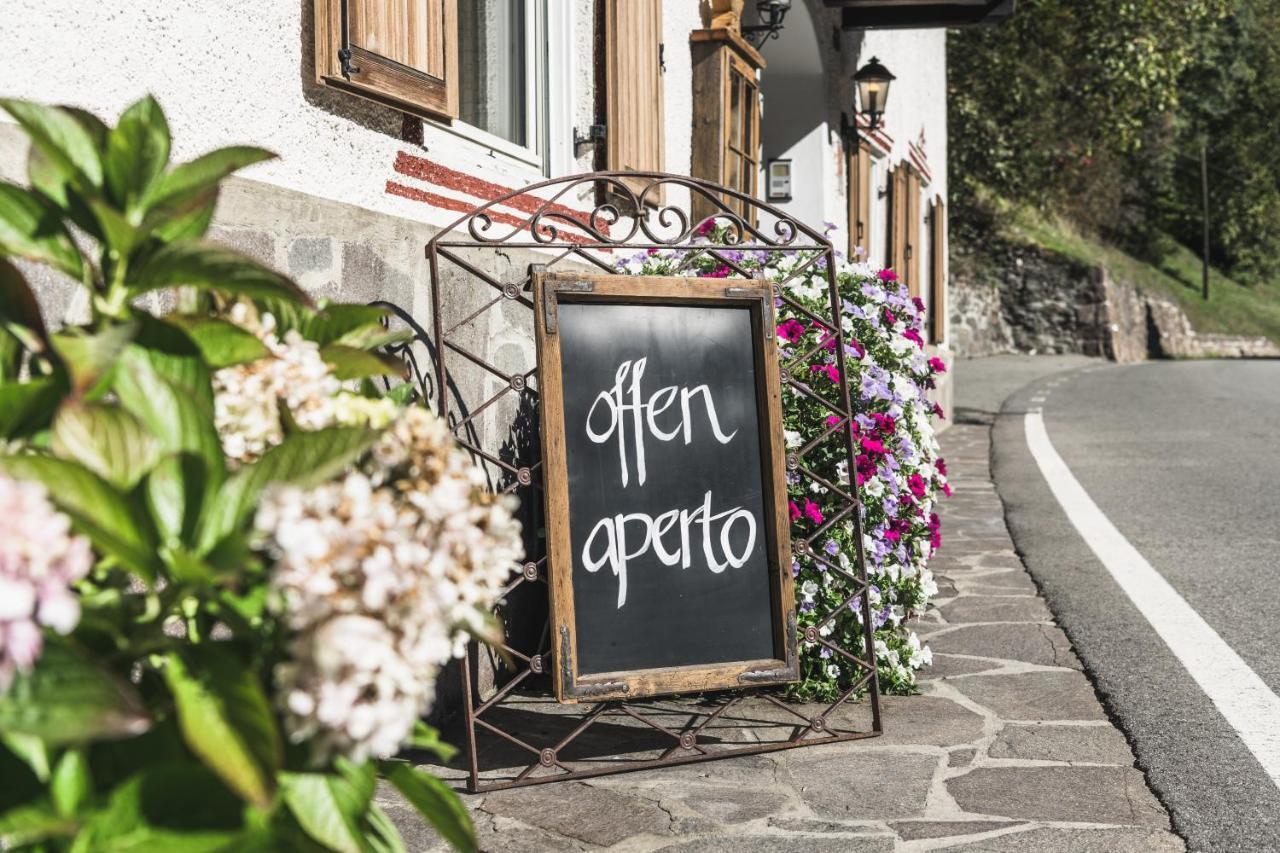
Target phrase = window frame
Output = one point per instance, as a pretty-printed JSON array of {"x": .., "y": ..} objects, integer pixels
[{"x": 535, "y": 154}]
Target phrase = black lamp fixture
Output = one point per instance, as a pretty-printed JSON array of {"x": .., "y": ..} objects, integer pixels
[
  {"x": 771, "y": 14},
  {"x": 872, "y": 82}
]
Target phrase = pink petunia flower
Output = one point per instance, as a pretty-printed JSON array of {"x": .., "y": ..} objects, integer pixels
[
  {"x": 887, "y": 275},
  {"x": 937, "y": 365},
  {"x": 812, "y": 512},
  {"x": 917, "y": 485}
]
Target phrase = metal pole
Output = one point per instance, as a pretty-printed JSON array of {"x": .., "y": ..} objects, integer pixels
[{"x": 1204, "y": 209}]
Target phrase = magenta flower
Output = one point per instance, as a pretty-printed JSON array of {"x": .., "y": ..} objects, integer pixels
[
  {"x": 812, "y": 512},
  {"x": 887, "y": 275},
  {"x": 872, "y": 446},
  {"x": 889, "y": 317},
  {"x": 791, "y": 330},
  {"x": 795, "y": 511},
  {"x": 937, "y": 365},
  {"x": 913, "y": 335},
  {"x": 917, "y": 485}
]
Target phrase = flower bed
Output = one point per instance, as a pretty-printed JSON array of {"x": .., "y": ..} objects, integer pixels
[{"x": 899, "y": 472}]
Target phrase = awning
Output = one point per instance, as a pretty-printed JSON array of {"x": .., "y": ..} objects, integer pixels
[{"x": 911, "y": 14}]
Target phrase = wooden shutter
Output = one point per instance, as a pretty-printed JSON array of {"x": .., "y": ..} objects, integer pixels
[
  {"x": 911, "y": 228},
  {"x": 403, "y": 53},
  {"x": 896, "y": 236},
  {"x": 938, "y": 272},
  {"x": 633, "y": 86},
  {"x": 859, "y": 167}
]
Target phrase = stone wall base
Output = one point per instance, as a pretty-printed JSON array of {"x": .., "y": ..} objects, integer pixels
[{"x": 1010, "y": 297}]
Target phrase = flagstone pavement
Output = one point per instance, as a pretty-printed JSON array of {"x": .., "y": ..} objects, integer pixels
[{"x": 1005, "y": 749}]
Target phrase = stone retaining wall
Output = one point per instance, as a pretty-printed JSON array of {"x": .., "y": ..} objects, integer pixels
[{"x": 1014, "y": 297}]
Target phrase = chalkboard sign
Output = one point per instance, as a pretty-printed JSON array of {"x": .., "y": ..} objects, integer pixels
[{"x": 666, "y": 496}]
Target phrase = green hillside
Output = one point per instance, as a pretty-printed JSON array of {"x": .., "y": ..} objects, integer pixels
[{"x": 1233, "y": 307}]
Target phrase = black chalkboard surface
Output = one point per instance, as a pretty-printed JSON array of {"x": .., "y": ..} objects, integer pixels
[{"x": 668, "y": 523}]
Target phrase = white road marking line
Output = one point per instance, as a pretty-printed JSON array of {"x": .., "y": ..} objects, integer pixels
[{"x": 1243, "y": 699}]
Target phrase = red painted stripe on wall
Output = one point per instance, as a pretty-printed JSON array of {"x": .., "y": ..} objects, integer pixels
[
  {"x": 473, "y": 185},
  {"x": 442, "y": 201}
]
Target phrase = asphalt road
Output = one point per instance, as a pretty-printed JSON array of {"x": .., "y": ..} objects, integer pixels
[{"x": 1184, "y": 459}]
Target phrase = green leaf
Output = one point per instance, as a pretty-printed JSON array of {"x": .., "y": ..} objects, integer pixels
[
  {"x": 435, "y": 801},
  {"x": 374, "y": 337},
  {"x": 175, "y": 491},
  {"x": 60, "y": 136},
  {"x": 329, "y": 808},
  {"x": 106, "y": 515},
  {"x": 186, "y": 567},
  {"x": 202, "y": 174},
  {"x": 178, "y": 420},
  {"x": 19, "y": 309},
  {"x": 211, "y": 266},
  {"x": 68, "y": 698},
  {"x": 32, "y": 228},
  {"x": 28, "y": 407},
  {"x": 107, "y": 440},
  {"x": 172, "y": 806},
  {"x": 332, "y": 321},
  {"x": 137, "y": 151},
  {"x": 175, "y": 356},
  {"x": 117, "y": 234},
  {"x": 91, "y": 357},
  {"x": 187, "y": 221},
  {"x": 384, "y": 835},
  {"x": 31, "y": 824},
  {"x": 301, "y": 459},
  {"x": 222, "y": 343},
  {"x": 31, "y": 751},
  {"x": 72, "y": 784},
  {"x": 351, "y": 363},
  {"x": 426, "y": 738},
  {"x": 226, "y": 720}
]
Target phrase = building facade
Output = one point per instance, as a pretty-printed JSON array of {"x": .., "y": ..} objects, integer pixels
[{"x": 392, "y": 117}]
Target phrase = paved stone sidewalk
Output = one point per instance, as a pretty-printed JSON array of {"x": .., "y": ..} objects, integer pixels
[{"x": 1006, "y": 749}]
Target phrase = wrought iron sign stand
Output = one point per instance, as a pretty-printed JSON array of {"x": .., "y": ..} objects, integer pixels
[{"x": 481, "y": 336}]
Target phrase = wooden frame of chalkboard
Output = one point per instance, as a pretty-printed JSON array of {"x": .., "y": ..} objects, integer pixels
[{"x": 765, "y": 618}]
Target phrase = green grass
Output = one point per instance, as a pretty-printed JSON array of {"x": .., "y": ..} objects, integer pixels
[{"x": 1232, "y": 308}]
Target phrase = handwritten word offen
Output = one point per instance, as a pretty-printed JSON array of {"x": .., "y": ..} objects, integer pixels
[
  {"x": 624, "y": 402},
  {"x": 626, "y": 536}
]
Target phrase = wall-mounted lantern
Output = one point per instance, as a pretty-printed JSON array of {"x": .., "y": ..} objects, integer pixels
[
  {"x": 872, "y": 82},
  {"x": 771, "y": 14}
]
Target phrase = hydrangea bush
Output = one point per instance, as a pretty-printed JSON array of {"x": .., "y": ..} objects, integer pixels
[
  {"x": 899, "y": 473},
  {"x": 230, "y": 568}
]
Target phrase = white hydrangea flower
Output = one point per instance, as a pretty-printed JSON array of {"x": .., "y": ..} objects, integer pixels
[
  {"x": 248, "y": 397},
  {"x": 381, "y": 574},
  {"x": 39, "y": 560}
]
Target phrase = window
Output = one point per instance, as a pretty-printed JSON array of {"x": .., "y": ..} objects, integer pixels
[
  {"x": 632, "y": 86},
  {"x": 726, "y": 115},
  {"x": 399, "y": 52},
  {"x": 859, "y": 169},
  {"x": 481, "y": 62},
  {"x": 492, "y": 61}
]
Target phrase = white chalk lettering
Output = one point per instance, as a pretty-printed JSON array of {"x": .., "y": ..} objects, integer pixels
[
  {"x": 629, "y": 536},
  {"x": 625, "y": 403}
]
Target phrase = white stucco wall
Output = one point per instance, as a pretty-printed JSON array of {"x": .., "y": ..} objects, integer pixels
[{"x": 240, "y": 72}]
